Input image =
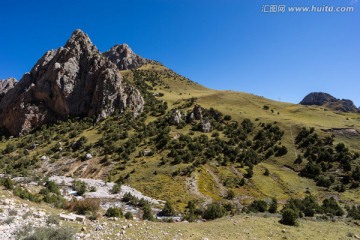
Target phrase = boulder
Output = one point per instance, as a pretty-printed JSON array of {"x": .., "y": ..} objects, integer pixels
[
  {"x": 88, "y": 156},
  {"x": 176, "y": 117},
  {"x": 206, "y": 126}
]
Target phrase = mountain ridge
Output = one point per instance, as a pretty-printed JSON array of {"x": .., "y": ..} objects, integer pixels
[{"x": 74, "y": 80}]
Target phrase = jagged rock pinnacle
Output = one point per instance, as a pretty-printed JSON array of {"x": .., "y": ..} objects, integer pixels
[
  {"x": 125, "y": 58},
  {"x": 74, "y": 80}
]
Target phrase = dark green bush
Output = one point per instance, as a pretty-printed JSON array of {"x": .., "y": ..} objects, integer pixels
[
  {"x": 168, "y": 209},
  {"x": 191, "y": 212},
  {"x": 289, "y": 217},
  {"x": 230, "y": 194},
  {"x": 79, "y": 186},
  {"x": 128, "y": 216},
  {"x": 273, "y": 206},
  {"x": 227, "y": 117},
  {"x": 25, "y": 194},
  {"x": 116, "y": 188},
  {"x": 213, "y": 211},
  {"x": 258, "y": 206},
  {"x": 8, "y": 183},
  {"x": 330, "y": 206},
  {"x": 52, "y": 187},
  {"x": 353, "y": 212},
  {"x": 9, "y": 148},
  {"x": 114, "y": 212},
  {"x": 148, "y": 215}
]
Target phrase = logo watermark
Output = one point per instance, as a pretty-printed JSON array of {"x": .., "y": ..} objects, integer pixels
[{"x": 273, "y": 8}]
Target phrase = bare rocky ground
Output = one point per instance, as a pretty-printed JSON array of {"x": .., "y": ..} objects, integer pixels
[
  {"x": 237, "y": 227},
  {"x": 103, "y": 189},
  {"x": 16, "y": 214},
  {"x": 13, "y": 216}
]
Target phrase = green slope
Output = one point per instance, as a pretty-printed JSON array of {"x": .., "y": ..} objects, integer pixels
[{"x": 148, "y": 174}]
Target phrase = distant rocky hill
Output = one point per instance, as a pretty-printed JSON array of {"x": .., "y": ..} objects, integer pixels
[
  {"x": 326, "y": 100},
  {"x": 74, "y": 80},
  {"x": 125, "y": 58}
]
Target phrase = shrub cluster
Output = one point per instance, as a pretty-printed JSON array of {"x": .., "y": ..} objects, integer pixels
[{"x": 323, "y": 157}]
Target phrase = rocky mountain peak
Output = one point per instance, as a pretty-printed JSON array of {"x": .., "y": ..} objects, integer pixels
[
  {"x": 79, "y": 38},
  {"x": 6, "y": 85},
  {"x": 74, "y": 80},
  {"x": 327, "y": 100},
  {"x": 125, "y": 49},
  {"x": 125, "y": 58}
]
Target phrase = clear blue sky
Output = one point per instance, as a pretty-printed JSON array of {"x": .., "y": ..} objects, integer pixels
[{"x": 222, "y": 44}]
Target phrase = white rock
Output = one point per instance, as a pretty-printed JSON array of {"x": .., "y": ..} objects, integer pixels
[{"x": 57, "y": 65}]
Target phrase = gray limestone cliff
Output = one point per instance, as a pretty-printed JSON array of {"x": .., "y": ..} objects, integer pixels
[{"x": 74, "y": 80}]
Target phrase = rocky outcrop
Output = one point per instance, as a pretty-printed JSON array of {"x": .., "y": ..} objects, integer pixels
[
  {"x": 6, "y": 85},
  {"x": 195, "y": 114},
  {"x": 176, "y": 117},
  {"x": 125, "y": 58},
  {"x": 347, "y": 105},
  {"x": 74, "y": 80},
  {"x": 326, "y": 100},
  {"x": 317, "y": 98},
  {"x": 205, "y": 125}
]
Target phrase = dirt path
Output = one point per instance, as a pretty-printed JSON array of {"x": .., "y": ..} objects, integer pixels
[
  {"x": 220, "y": 186},
  {"x": 193, "y": 187}
]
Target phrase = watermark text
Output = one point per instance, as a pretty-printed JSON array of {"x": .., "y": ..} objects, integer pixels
[{"x": 273, "y": 8}]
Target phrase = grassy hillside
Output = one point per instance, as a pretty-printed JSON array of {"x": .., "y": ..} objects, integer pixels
[{"x": 118, "y": 145}]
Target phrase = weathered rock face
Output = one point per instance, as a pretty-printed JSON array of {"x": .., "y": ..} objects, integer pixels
[
  {"x": 176, "y": 117},
  {"x": 197, "y": 112},
  {"x": 125, "y": 58},
  {"x": 348, "y": 106},
  {"x": 326, "y": 100},
  {"x": 317, "y": 98},
  {"x": 6, "y": 85},
  {"x": 206, "y": 125},
  {"x": 74, "y": 80}
]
